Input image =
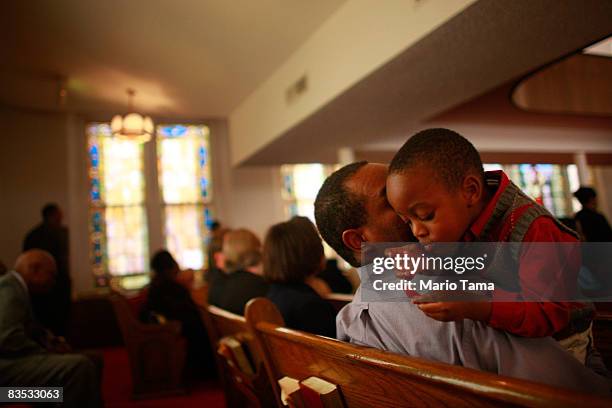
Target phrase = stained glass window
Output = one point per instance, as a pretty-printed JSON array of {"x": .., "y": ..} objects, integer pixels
[
  {"x": 551, "y": 185},
  {"x": 184, "y": 178},
  {"x": 118, "y": 223},
  {"x": 301, "y": 183}
]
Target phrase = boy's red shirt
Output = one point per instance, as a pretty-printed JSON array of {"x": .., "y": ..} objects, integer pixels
[{"x": 530, "y": 319}]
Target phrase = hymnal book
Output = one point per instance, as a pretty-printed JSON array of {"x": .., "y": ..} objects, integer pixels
[
  {"x": 318, "y": 393},
  {"x": 232, "y": 350},
  {"x": 290, "y": 392}
]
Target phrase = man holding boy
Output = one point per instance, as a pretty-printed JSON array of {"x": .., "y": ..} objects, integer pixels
[
  {"x": 437, "y": 186},
  {"x": 351, "y": 210}
]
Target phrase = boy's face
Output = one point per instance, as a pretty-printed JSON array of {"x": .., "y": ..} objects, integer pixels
[
  {"x": 383, "y": 223},
  {"x": 434, "y": 213}
]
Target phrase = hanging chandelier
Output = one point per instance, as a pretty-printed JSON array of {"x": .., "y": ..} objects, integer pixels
[{"x": 132, "y": 126}]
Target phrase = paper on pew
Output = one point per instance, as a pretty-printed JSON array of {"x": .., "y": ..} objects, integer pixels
[{"x": 288, "y": 386}]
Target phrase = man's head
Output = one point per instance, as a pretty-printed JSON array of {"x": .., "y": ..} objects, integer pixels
[
  {"x": 587, "y": 197},
  {"x": 241, "y": 250},
  {"x": 351, "y": 208},
  {"x": 436, "y": 184},
  {"x": 37, "y": 268},
  {"x": 52, "y": 214}
]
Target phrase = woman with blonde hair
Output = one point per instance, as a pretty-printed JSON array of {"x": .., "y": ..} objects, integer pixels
[{"x": 241, "y": 259}]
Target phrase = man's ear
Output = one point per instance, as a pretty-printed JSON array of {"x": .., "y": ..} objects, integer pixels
[
  {"x": 352, "y": 238},
  {"x": 472, "y": 189}
]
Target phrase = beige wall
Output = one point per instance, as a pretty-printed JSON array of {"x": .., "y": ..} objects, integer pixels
[{"x": 33, "y": 171}]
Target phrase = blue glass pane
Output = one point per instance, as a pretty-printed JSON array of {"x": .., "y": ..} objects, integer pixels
[
  {"x": 202, "y": 156},
  {"x": 208, "y": 218},
  {"x": 173, "y": 131},
  {"x": 93, "y": 152}
]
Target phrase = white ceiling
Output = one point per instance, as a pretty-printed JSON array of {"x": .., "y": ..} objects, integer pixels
[{"x": 185, "y": 58}]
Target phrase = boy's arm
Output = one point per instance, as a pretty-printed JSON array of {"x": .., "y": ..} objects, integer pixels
[{"x": 551, "y": 270}]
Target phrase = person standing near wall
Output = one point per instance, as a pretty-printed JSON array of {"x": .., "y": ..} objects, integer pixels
[{"x": 52, "y": 309}]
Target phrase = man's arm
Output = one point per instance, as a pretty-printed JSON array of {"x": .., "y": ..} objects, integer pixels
[{"x": 14, "y": 340}]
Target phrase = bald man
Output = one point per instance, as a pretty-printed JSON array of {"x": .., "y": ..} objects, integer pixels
[{"x": 25, "y": 358}]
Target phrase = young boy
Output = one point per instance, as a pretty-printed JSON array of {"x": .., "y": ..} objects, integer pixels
[{"x": 437, "y": 185}]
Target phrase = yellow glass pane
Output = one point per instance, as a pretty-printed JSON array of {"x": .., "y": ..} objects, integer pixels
[
  {"x": 185, "y": 234},
  {"x": 184, "y": 164},
  {"x": 179, "y": 170},
  {"x": 122, "y": 174},
  {"x": 126, "y": 232}
]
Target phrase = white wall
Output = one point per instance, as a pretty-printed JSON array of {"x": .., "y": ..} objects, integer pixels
[
  {"x": 246, "y": 197},
  {"x": 357, "y": 39}
]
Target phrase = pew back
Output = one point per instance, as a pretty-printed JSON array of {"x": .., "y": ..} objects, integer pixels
[
  {"x": 254, "y": 388},
  {"x": 370, "y": 377}
]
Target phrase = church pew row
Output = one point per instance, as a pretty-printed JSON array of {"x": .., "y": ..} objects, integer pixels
[
  {"x": 240, "y": 388},
  {"x": 369, "y": 377}
]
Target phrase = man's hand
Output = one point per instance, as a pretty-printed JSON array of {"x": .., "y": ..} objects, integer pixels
[{"x": 453, "y": 311}]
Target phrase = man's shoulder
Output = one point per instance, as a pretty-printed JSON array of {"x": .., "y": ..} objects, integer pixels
[
  {"x": 10, "y": 288},
  {"x": 8, "y": 280}
]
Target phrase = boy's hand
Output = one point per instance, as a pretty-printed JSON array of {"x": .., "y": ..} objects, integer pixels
[{"x": 452, "y": 311}]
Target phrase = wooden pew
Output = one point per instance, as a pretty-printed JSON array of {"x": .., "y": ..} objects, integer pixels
[
  {"x": 156, "y": 352},
  {"x": 240, "y": 388},
  {"x": 369, "y": 377},
  {"x": 602, "y": 335}
]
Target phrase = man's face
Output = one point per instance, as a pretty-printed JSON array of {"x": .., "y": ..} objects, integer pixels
[
  {"x": 434, "y": 213},
  {"x": 383, "y": 224}
]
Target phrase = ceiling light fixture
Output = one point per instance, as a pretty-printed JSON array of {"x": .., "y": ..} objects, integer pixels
[{"x": 132, "y": 126}]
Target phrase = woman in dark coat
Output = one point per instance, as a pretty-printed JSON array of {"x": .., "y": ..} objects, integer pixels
[{"x": 292, "y": 253}]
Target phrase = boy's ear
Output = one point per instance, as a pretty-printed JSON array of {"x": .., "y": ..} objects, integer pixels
[
  {"x": 352, "y": 238},
  {"x": 472, "y": 189}
]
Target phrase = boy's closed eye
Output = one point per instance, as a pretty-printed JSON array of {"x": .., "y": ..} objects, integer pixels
[{"x": 426, "y": 217}]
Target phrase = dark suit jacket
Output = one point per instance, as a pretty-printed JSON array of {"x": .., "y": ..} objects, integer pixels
[
  {"x": 238, "y": 288},
  {"x": 16, "y": 320},
  {"x": 303, "y": 309}
]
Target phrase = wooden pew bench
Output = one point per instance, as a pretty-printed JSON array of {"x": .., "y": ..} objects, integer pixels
[
  {"x": 252, "y": 389},
  {"x": 369, "y": 377}
]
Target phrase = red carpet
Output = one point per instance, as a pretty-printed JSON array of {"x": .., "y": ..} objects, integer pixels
[{"x": 117, "y": 386}]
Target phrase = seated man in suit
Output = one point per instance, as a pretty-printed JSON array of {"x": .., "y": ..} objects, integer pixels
[
  {"x": 30, "y": 357},
  {"x": 351, "y": 209}
]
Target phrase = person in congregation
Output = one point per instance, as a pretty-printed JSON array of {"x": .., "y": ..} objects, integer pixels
[
  {"x": 241, "y": 261},
  {"x": 352, "y": 210},
  {"x": 293, "y": 253},
  {"x": 335, "y": 279},
  {"x": 31, "y": 356},
  {"x": 52, "y": 309},
  {"x": 169, "y": 299},
  {"x": 215, "y": 276},
  {"x": 592, "y": 225}
]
